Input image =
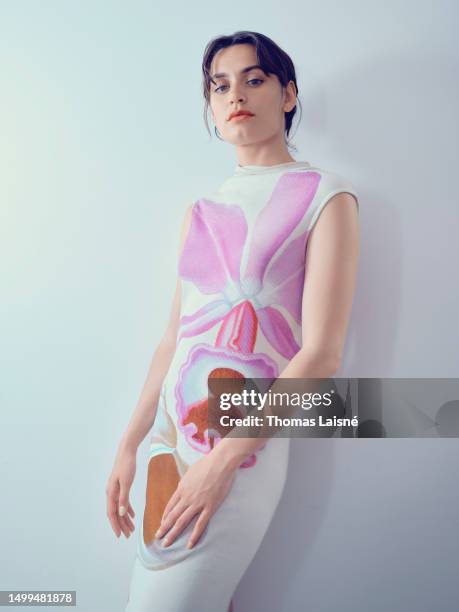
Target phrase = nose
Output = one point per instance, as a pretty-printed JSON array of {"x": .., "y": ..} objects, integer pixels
[{"x": 237, "y": 96}]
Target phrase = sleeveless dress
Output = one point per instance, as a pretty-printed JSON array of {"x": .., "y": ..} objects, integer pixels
[{"x": 242, "y": 276}]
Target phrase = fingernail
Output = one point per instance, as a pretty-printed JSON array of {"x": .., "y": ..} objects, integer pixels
[
  {"x": 165, "y": 542},
  {"x": 190, "y": 544},
  {"x": 122, "y": 511}
]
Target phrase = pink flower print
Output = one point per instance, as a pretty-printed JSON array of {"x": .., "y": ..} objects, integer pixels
[
  {"x": 273, "y": 276},
  {"x": 232, "y": 357}
]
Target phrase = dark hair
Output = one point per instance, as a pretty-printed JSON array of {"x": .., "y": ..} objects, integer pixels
[{"x": 271, "y": 58}]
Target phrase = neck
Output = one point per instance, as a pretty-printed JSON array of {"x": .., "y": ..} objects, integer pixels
[{"x": 268, "y": 153}]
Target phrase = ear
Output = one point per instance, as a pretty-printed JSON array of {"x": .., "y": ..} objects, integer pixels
[{"x": 290, "y": 97}]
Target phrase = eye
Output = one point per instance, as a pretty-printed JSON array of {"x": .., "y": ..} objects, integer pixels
[{"x": 251, "y": 81}]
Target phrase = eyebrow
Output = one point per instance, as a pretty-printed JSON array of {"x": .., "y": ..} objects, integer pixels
[{"x": 217, "y": 75}]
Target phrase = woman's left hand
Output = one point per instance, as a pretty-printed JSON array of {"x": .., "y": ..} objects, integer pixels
[{"x": 201, "y": 490}]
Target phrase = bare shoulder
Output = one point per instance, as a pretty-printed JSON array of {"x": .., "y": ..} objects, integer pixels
[
  {"x": 186, "y": 223},
  {"x": 340, "y": 216}
]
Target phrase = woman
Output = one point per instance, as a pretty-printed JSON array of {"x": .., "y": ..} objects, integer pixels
[{"x": 259, "y": 263}]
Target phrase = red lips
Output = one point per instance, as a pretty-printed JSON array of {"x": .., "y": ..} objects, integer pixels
[{"x": 240, "y": 112}]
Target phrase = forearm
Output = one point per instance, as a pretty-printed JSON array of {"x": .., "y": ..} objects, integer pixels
[
  {"x": 231, "y": 451},
  {"x": 144, "y": 414}
]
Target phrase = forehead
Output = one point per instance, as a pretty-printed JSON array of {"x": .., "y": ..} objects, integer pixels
[{"x": 233, "y": 59}]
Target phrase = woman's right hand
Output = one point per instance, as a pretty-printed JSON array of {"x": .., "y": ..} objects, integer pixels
[{"x": 117, "y": 490}]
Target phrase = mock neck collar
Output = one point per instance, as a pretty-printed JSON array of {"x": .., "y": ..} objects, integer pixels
[{"x": 254, "y": 169}]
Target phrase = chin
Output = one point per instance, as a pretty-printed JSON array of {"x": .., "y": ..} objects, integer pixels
[
  {"x": 246, "y": 139},
  {"x": 242, "y": 136}
]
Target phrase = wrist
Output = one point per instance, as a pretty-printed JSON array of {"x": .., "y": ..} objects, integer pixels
[
  {"x": 127, "y": 445},
  {"x": 227, "y": 456}
]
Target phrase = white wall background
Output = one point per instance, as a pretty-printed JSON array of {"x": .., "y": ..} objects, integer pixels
[{"x": 102, "y": 148}]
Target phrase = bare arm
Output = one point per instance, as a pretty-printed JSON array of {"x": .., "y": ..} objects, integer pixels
[
  {"x": 330, "y": 277},
  {"x": 119, "y": 509},
  {"x": 147, "y": 405}
]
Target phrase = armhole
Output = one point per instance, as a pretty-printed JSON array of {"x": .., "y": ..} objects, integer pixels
[
  {"x": 184, "y": 232},
  {"x": 327, "y": 198}
]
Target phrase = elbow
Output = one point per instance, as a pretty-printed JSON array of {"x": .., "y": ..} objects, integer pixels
[
  {"x": 335, "y": 365},
  {"x": 319, "y": 363},
  {"x": 169, "y": 341},
  {"x": 334, "y": 362}
]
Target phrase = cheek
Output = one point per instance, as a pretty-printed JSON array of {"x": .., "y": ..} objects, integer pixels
[
  {"x": 275, "y": 114},
  {"x": 268, "y": 105},
  {"x": 270, "y": 118},
  {"x": 217, "y": 109}
]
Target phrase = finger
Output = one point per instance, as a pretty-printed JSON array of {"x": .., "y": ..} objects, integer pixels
[
  {"x": 201, "y": 524},
  {"x": 115, "y": 500},
  {"x": 129, "y": 523},
  {"x": 131, "y": 510},
  {"x": 171, "y": 518},
  {"x": 170, "y": 504},
  {"x": 182, "y": 521},
  {"x": 112, "y": 508},
  {"x": 124, "y": 526},
  {"x": 114, "y": 521},
  {"x": 123, "y": 501}
]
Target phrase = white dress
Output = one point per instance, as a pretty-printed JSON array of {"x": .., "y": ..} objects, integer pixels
[{"x": 242, "y": 276}]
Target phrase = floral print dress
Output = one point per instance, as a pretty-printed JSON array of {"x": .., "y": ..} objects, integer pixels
[{"x": 242, "y": 276}]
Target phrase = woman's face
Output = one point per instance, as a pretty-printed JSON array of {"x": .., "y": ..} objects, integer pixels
[{"x": 248, "y": 90}]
